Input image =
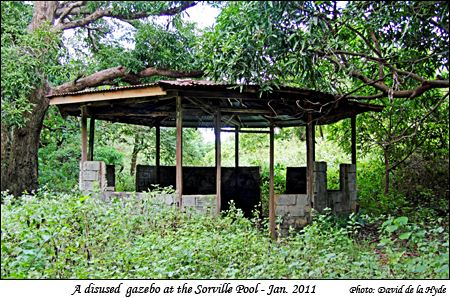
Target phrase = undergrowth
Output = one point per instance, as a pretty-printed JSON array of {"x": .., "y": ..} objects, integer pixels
[{"x": 49, "y": 235}]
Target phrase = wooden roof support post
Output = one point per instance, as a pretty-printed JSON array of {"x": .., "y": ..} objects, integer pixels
[
  {"x": 236, "y": 147},
  {"x": 236, "y": 163},
  {"x": 83, "y": 134},
  {"x": 91, "y": 138},
  {"x": 271, "y": 186},
  {"x": 179, "y": 153},
  {"x": 217, "y": 126},
  {"x": 310, "y": 157},
  {"x": 158, "y": 154},
  {"x": 353, "y": 125}
]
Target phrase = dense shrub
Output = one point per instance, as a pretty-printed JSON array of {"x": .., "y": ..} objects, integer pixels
[
  {"x": 424, "y": 180},
  {"x": 59, "y": 166},
  {"x": 419, "y": 192},
  {"x": 74, "y": 236}
]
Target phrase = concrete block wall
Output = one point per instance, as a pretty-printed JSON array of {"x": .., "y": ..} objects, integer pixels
[
  {"x": 200, "y": 203},
  {"x": 191, "y": 203},
  {"x": 320, "y": 197},
  {"x": 92, "y": 176},
  {"x": 347, "y": 204},
  {"x": 295, "y": 209}
]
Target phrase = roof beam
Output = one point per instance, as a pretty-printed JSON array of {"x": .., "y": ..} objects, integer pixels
[
  {"x": 244, "y": 131},
  {"x": 107, "y": 95}
]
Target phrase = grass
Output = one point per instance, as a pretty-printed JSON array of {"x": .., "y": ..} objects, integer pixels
[{"x": 53, "y": 235}]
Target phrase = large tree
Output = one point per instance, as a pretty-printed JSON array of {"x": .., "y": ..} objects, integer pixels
[
  {"x": 35, "y": 63},
  {"x": 393, "y": 53},
  {"x": 360, "y": 49}
]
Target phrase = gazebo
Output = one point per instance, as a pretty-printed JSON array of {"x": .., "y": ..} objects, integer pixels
[{"x": 226, "y": 108}]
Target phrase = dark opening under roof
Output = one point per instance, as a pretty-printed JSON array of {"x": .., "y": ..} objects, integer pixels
[{"x": 240, "y": 105}]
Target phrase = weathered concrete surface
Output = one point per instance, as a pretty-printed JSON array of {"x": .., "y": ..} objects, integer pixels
[
  {"x": 294, "y": 210},
  {"x": 92, "y": 176},
  {"x": 191, "y": 203}
]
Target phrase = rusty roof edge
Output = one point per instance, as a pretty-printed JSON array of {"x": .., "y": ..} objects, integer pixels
[
  {"x": 96, "y": 90},
  {"x": 191, "y": 84}
]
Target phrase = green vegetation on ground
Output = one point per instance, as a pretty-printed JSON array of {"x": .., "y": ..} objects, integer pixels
[
  {"x": 49, "y": 235},
  {"x": 392, "y": 53}
]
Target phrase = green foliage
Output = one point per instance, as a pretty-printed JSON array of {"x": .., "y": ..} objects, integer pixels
[
  {"x": 400, "y": 128},
  {"x": 423, "y": 179},
  {"x": 400, "y": 241},
  {"x": 370, "y": 189},
  {"x": 57, "y": 130},
  {"x": 167, "y": 49},
  {"x": 419, "y": 190},
  {"x": 125, "y": 182},
  {"x": 59, "y": 165},
  {"x": 109, "y": 155},
  {"x": 59, "y": 151},
  {"x": 150, "y": 42},
  {"x": 300, "y": 43},
  {"x": 50, "y": 235},
  {"x": 143, "y": 140},
  {"x": 15, "y": 18},
  {"x": 26, "y": 57},
  {"x": 74, "y": 236},
  {"x": 279, "y": 185}
]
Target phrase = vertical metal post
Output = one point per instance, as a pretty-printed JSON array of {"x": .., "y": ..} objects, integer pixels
[
  {"x": 353, "y": 125},
  {"x": 91, "y": 138},
  {"x": 179, "y": 153},
  {"x": 83, "y": 134},
  {"x": 271, "y": 186},
  {"x": 310, "y": 157},
  {"x": 158, "y": 154},
  {"x": 236, "y": 147},
  {"x": 236, "y": 164},
  {"x": 217, "y": 127}
]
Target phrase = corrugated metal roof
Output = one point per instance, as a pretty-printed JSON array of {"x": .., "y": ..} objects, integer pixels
[
  {"x": 182, "y": 83},
  {"x": 189, "y": 82},
  {"x": 96, "y": 90},
  {"x": 281, "y": 108}
]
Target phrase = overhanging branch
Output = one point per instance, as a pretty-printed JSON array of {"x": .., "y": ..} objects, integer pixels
[
  {"x": 109, "y": 12},
  {"x": 109, "y": 75},
  {"x": 380, "y": 85}
]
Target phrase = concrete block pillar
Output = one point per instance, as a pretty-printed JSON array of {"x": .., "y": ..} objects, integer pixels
[
  {"x": 320, "y": 186},
  {"x": 294, "y": 210},
  {"x": 92, "y": 176},
  {"x": 348, "y": 187}
]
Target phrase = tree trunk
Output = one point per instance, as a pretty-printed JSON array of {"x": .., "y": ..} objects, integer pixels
[
  {"x": 301, "y": 133},
  {"x": 19, "y": 160},
  {"x": 20, "y": 145},
  {"x": 321, "y": 132},
  {"x": 134, "y": 156},
  {"x": 386, "y": 171},
  {"x": 5, "y": 149},
  {"x": 137, "y": 145}
]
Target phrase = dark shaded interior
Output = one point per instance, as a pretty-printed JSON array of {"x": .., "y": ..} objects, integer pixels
[
  {"x": 110, "y": 175},
  {"x": 238, "y": 184},
  {"x": 296, "y": 180}
]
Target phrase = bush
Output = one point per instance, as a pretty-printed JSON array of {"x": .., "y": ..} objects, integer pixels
[
  {"x": 50, "y": 235},
  {"x": 424, "y": 180},
  {"x": 59, "y": 167},
  {"x": 109, "y": 155},
  {"x": 412, "y": 250}
]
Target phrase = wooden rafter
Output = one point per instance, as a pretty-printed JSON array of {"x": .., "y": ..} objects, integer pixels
[{"x": 155, "y": 105}]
